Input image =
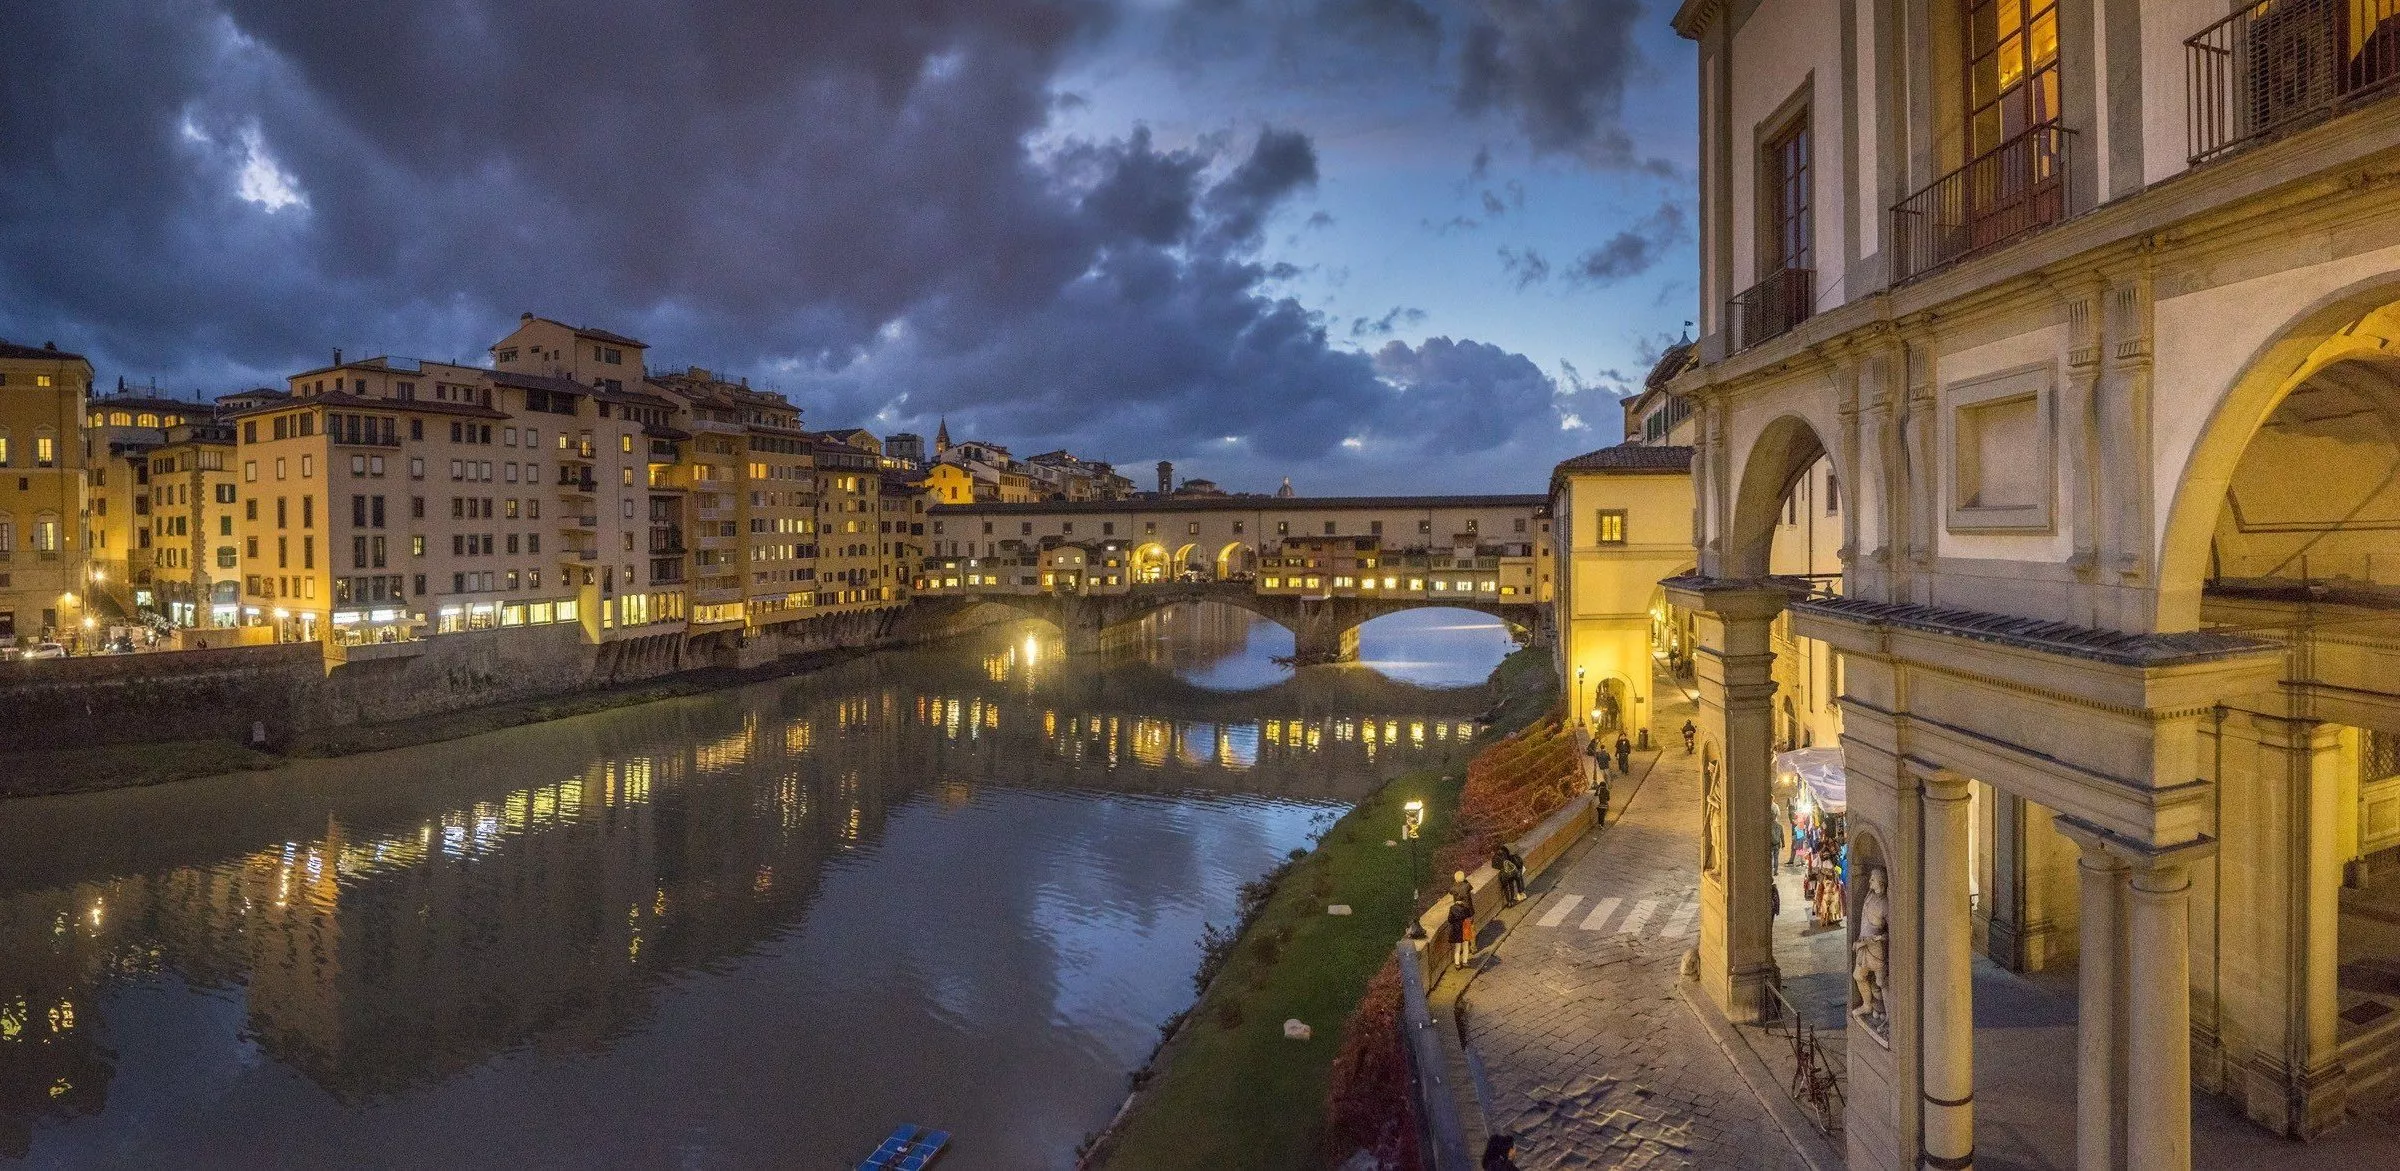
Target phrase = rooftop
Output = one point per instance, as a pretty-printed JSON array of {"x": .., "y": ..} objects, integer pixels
[
  {"x": 1630, "y": 457},
  {"x": 46, "y": 352},
  {"x": 1244, "y": 504},
  {"x": 2059, "y": 638}
]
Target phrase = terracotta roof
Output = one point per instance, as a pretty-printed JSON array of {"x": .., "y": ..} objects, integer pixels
[
  {"x": 598, "y": 335},
  {"x": 144, "y": 402},
  {"x": 41, "y": 353},
  {"x": 1250, "y": 504},
  {"x": 1630, "y": 457},
  {"x": 346, "y": 400},
  {"x": 635, "y": 398}
]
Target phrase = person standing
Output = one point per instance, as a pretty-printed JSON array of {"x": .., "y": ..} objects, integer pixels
[
  {"x": 1624, "y": 755},
  {"x": 1600, "y": 800},
  {"x": 1511, "y": 870},
  {"x": 1462, "y": 920}
]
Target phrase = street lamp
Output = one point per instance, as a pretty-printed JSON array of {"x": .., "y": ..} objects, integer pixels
[
  {"x": 1412, "y": 822},
  {"x": 1579, "y": 689}
]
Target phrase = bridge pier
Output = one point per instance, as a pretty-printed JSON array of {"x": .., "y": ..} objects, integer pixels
[{"x": 1315, "y": 643}]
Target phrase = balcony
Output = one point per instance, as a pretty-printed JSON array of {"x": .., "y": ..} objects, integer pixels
[
  {"x": 583, "y": 485},
  {"x": 582, "y": 524},
  {"x": 1770, "y": 308},
  {"x": 666, "y": 541},
  {"x": 2281, "y": 64},
  {"x": 2015, "y": 188}
]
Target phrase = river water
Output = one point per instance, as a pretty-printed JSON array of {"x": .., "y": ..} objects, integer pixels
[{"x": 955, "y": 886}]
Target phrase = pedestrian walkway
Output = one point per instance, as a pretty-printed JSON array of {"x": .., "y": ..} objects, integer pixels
[{"x": 1592, "y": 1056}]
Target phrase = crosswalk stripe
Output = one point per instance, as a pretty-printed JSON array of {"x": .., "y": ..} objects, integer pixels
[
  {"x": 1681, "y": 924},
  {"x": 1558, "y": 914},
  {"x": 1600, "y": 912},
  {"x": 1641, "y": 915}
]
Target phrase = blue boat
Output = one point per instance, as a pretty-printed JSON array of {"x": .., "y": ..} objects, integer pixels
[{"x": 911, "y": 1148}]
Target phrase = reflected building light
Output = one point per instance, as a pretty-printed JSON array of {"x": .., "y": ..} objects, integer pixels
[{"x": 1416, "y": 733}]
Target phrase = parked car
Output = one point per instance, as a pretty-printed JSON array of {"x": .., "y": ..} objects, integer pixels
[{"x": 47, "y": 650}]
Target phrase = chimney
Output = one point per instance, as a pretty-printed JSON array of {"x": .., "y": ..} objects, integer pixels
[
  {"x": 525, "y": 316},
  {"x": 1166, "y": 477},
  {"x": 337, "y": 356}
]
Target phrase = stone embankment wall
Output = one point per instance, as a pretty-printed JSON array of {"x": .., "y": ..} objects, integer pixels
[{"x": 220, "y": 693}]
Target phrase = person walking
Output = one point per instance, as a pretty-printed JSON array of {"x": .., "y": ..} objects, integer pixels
[
  {"x": 1462, "y": 920},
  {"x": 1624, "y": 755},
  {"x": 1511, "y": 870},
  {"x": 1600, "y": 801},
  {"x": 1691, "y": 733}
]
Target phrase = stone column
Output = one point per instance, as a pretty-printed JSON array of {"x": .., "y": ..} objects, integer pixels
[
  {"x": 2158, "y": 1028},
  {"x": 2099, "y": 1074},
  {"x": 1948, "y": 1004},
  {"x": 1737, "y": 694}
]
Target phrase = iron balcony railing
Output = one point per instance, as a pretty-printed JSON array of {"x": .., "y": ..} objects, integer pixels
[
  {"x": 2012, "y": 189},
  {"x": 1770, "y": 308},
  {"x": 2274, "y": 65}
]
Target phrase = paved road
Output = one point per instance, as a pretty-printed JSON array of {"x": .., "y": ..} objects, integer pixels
[{"x": 1593, "y": 1058}]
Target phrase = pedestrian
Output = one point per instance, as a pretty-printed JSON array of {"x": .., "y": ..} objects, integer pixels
[
  {"x": 1624, "y": 754},
  {"x": 1496, "y": 1152},
  {"x": 1691, "y": 732},
  {"x": 1774, "y": 841},
  {"x": 1511, "y": 870},
  {"x": 1462, "y": 920},
  {"x": 1600, "y": 801}
]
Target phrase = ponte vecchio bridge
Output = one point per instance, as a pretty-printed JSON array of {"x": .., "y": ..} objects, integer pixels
[{"x": 1320, "y": 567}]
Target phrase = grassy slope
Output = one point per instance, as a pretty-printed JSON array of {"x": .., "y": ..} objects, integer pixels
[{"x": 1233, "y": 1092}]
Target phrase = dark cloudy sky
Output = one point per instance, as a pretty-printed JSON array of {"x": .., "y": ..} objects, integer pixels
[{"x": 1374, "y": 245}]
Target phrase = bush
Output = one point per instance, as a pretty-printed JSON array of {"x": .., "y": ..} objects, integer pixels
[{"x": 1367, "y": 1105}]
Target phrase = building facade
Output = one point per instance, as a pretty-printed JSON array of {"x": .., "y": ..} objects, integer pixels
[
  {"x": 2089, "y": 308},
  {"x": 45, "y": 555}
]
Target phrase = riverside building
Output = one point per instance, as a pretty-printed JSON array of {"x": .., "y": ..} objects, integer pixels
[
  {"x": 45, "y": 554},
  {"x": 2091, "y": 309}
]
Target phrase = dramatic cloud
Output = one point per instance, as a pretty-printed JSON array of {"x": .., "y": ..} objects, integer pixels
[
  {"x": 1629, "y": 253},
  {"x": 1559, "y": 68},
  {"x": 863, "y": 205},
  {"x": 1526, "y": 266},
  {"x": 1633, "y": 251}
]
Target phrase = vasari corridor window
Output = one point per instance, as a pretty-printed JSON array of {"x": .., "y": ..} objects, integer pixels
[
  {"x": 2012, "y": 70},
  {"x": 1791, "y": 223}
]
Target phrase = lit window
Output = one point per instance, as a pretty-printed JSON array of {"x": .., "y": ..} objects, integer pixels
[{"x": 1611, "y": 530}]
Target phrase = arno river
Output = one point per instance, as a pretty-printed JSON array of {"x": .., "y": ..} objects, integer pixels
[{"x": 957, "y": 886}]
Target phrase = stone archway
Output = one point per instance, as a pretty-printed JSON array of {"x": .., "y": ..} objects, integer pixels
[
  {"x": 1150, "y": 564},
  {"x": 1237, "y": 561}
]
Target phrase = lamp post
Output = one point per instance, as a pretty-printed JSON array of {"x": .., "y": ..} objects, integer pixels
[
  {"x": 1579, "y": 693},
  {"x": 1412, "y": 822}
]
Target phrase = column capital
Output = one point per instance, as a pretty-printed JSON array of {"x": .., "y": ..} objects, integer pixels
[
  {"x": 2138, "y": 855},
  {"x": 1944, "y": 785},
  {"x": 2165, "y": 880},
  {"x": 1735, "y": 599}
]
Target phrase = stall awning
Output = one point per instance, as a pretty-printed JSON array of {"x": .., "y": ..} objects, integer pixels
[{"x": 1820, "y": 772}]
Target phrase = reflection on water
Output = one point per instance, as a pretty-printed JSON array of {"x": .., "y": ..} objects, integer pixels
[
  {"x": 1435, "y": 648},
  {"x": 764, "y": 926},
  {"x": 1216, "y": 646}
]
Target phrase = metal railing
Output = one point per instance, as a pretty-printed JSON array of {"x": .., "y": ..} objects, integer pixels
[
  {"x": 1770, "y": 308},
  {"x": 2007, "y": 191},
  {"x": 1816, "y": 1078},
  {"x": 2273, "y": 65}
]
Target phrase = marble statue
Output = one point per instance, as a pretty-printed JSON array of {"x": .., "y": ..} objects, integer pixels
[{"x": 1867, "y": 957}]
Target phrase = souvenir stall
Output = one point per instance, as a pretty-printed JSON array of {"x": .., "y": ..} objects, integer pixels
[{"x": 1810, "y": 796}]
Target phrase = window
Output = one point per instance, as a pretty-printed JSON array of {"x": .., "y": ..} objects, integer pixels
[
  {"x": 1328, "y": 528},
  {"x": 1611, "y": 529},
  {"x": 1791, "y": 226},
  {"x": 45, "y": 451},
  {"x": 1833, "y": 494},
  {"x": 2012, "y": 70}
]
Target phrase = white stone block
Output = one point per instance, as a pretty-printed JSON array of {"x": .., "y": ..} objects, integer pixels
[{"x": 1296, "y": 1030}]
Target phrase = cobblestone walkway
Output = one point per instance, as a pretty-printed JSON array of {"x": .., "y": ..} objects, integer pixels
[{"x": 1592, "y": 1057}]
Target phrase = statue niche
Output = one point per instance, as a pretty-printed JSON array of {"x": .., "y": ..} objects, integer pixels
[{"x": 1868, "y": 952}]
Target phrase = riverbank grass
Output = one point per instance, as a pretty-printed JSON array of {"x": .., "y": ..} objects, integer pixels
[
  {"x": 1230, "y": 1091},
  {"x": 1233, "y": 1091}
]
